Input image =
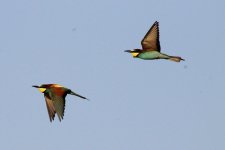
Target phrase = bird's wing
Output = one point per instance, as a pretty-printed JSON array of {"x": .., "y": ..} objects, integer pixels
[
  {"x": 58, "y": 97},
  {"x": 59, "y": 104},
  {"x": 50, "y": 107},
  {"x": 151, "y": 40}
]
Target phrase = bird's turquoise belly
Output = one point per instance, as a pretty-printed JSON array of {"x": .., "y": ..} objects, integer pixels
[{"x": 149, "y": 55}]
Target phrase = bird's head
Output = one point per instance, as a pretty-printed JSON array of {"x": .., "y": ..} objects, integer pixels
[
  {"x": 133, "y": 52},
  {"x": 41, "y": 88}
]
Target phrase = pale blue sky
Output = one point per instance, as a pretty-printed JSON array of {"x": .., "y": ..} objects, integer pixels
[{"x": 135, "y": 104}]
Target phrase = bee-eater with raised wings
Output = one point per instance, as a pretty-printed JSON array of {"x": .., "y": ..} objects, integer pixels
[
  {"x": 55, "y": 95},
  {"x": 151, "y": 47}
]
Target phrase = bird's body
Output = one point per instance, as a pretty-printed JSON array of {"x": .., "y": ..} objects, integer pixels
[
  {"x": 150, "y": 55},
  {"x": 151, "y": 47},
  {"x": 55, "y": 95}
]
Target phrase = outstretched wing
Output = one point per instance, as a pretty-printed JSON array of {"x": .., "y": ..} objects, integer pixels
[
  {"x": 59, "y": 104},
  {"x": 50, "y": 107},
  {"x": 58, "y": 98},
  {"x": 151, "y": 40}
]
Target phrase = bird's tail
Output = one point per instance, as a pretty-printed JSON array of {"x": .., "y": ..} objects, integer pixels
[
  {"x": 73, "y": 93},
  {"x": 175, "y": 58}
]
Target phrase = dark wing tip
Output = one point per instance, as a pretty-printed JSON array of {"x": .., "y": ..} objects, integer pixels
[
  {"x": 51, "y": 119},
  {"x": 157, "y": 24}
]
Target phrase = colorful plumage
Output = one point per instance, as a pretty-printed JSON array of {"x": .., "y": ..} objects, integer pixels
[
  {"x": 151, "y": 47},
  {"x": 55, "y": 98}
]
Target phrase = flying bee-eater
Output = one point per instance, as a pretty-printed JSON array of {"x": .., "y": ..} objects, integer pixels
[
  {"x": 55, "y": 95},
  {"x": 151, "y": 47}
]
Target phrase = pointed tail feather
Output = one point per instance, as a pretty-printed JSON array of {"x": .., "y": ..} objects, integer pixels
[
  {"x": 73, "y": 93},
  {"x": 176, "y": 58}
]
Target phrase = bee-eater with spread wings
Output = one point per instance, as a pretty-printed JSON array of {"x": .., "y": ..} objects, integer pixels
[
  {"x": 151, "y": 47},
  {"x": 55, "y": 95}
]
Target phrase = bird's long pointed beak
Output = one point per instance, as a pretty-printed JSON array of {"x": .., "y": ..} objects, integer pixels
[
  {"x": 128, "y": 51},
  {"x": 35, "y": 86}
]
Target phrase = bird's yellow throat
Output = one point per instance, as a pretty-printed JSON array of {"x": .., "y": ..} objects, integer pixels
[
  {"x": 134, "y": 54},
  {"x": 42, "y": 90}
]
